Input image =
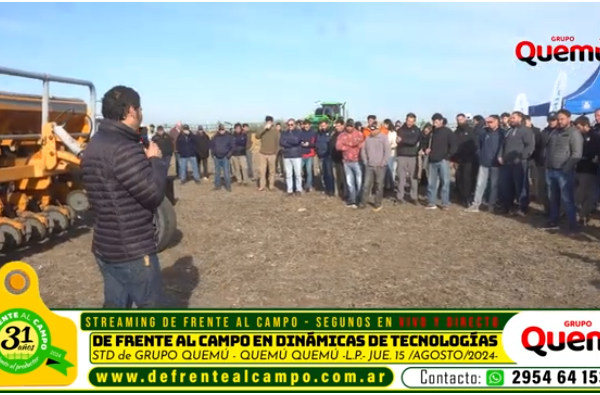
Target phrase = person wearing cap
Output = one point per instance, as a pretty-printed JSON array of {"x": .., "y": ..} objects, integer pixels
[
  {"x": 269, "y": 146},
  {"x": 586, "y": 192},
  {"x": 165, "y": 143},
  {"x": 442, "y": 148},
  {"x": 238, "y": 158},
  {"x": 222, "y": 146},
  {"x": 203, "y": 151},
  {"x": 407, "y": 151},
  {"x": 349, "y": 143},
  {"x": 375, "y": 154},
  {"x": 515, "y": 152},
  {"x": 187, "y": 149},
  {"x": 564, "y": 150}
]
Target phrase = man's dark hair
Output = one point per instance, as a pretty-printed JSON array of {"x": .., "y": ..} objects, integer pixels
[
  {"x": 495, "y": 117},
  {"x": 460, "y": 114},
  {"x": 151, "y": 125},
  {"x": 372, "y": 117},
  {"x": 117, "y": 102},
  {"x": 427, "y": 126},
  {"x": 277, "y": 124},
  {"x": 160, "y": 127},
  {"x": 245, "y": 125},
  {"x": 237, "y": 125},
  {"x": 564, "y": 112},
  {"x": 411, "y": 115},
  {"x": 478, "y": 119},
  {"x": 437, "y": 117},
  {"x": 520, "y": 114},
  {"x": 339, "y": 121},
  {"x": 268, "y": 118},
  {"x": 504, "y": 114},
  {"x": 306, "y": 122},
  {"x": 444, "y": 121},
  {"x": 582, "y": 121},
  {"x": 350, "y": 122}
]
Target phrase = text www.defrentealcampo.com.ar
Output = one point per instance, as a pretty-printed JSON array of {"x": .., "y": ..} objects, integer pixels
[{"x": 241, "y": 377}]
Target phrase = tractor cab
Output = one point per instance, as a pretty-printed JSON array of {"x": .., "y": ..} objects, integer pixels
[{"x": 328, "y": 112}]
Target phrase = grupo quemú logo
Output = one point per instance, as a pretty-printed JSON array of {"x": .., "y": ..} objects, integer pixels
[
  {"x": 539, "y": 341},
  {"x": 530, "y": 53}
]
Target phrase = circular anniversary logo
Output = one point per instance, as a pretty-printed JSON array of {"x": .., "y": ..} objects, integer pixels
[{"x": 24, "y": 341}]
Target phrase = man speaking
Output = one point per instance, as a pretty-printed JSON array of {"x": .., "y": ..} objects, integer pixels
[{"x": 125, "y": 185}]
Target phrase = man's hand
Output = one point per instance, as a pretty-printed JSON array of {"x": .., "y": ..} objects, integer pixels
[
  {"x": 427, "y": 151},
  {"x": 153, "y": 151},
  {"x": 398, "y": 140},
  {"x": 500, "y": 161}
]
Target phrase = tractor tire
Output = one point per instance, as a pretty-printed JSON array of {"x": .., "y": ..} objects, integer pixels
[{"x": 165, "y": 224}]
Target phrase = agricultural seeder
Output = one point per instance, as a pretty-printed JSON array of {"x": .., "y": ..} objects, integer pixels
[{"x": 42, "y": 139}]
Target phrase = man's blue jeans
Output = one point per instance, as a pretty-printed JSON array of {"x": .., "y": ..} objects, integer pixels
[
  {"x": 326, "y": 165},
  {"x": 293, "y": 174},
  {"x": 487, "y": 176},
  {"x": 561, "y": 190},
  {"x": 513, "y": 186},
  {"x": 354, "y": 181},
  {"x": 222, "y": 165},
  {"x": 183, "y": 162},
  {"x": 137, "y": 282},
  {"x": 307, "y": 165},
  {"x": 250, "y": 164},
  {"x": 439, "y": 172}
]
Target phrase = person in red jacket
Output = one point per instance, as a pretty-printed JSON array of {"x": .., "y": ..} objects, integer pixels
[{"x": 349, "y": 143}]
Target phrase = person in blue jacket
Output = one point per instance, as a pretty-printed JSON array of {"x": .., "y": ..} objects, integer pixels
[
  {"x": 308, "y": 137},
  {"x": 291, "y": 144},
  {"x": 324, "y": 149},
  {"x": 187, "y": 148},
  {"x": 222, "y": 146},
  {"x": 490, "y": 140}
]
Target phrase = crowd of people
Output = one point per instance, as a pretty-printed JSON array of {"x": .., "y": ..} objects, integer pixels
[{"x": 501, "y": 162}]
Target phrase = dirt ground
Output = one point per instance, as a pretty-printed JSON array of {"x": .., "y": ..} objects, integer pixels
[{"x": 263, "y": 249}]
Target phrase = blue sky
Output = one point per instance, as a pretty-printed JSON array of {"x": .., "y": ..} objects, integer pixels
[{"x": 201, "y": 62}]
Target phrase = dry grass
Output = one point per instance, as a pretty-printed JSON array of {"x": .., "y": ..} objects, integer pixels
[{"x": 252, "y": 249}]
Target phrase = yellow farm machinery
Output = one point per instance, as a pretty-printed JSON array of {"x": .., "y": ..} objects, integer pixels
[{"x": 41, "y": 141}]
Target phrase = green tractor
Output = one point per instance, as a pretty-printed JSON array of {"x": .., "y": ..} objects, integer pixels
[{"x": 327, "y": 111}]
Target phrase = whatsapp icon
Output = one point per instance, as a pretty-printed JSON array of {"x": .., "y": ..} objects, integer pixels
[{"x": 494, "y": 378}]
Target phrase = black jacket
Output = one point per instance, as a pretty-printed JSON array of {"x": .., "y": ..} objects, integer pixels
[
  {"x": 443, "y": 145},
  {"x": 467, "y": 145},
  {"x": 540, "y": 137},
  {"x": 203, "y": 145},
  {"x": 591, "y": 150},
  {"x": 165, "y": 143},
  {"x": 409, "y": 145},
  {"x": 222, "y": 145},
  {"x": 124, "y": 188},
  {"x": 336, "y": 156}
]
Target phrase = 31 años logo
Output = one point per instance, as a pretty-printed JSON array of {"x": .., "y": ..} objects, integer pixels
[{"x": 561, "y": 51}]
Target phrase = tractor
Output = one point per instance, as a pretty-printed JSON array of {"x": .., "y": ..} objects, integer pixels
[
  {"x": 42, "y": 139},
  {"x": 327, "y": 111}
]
